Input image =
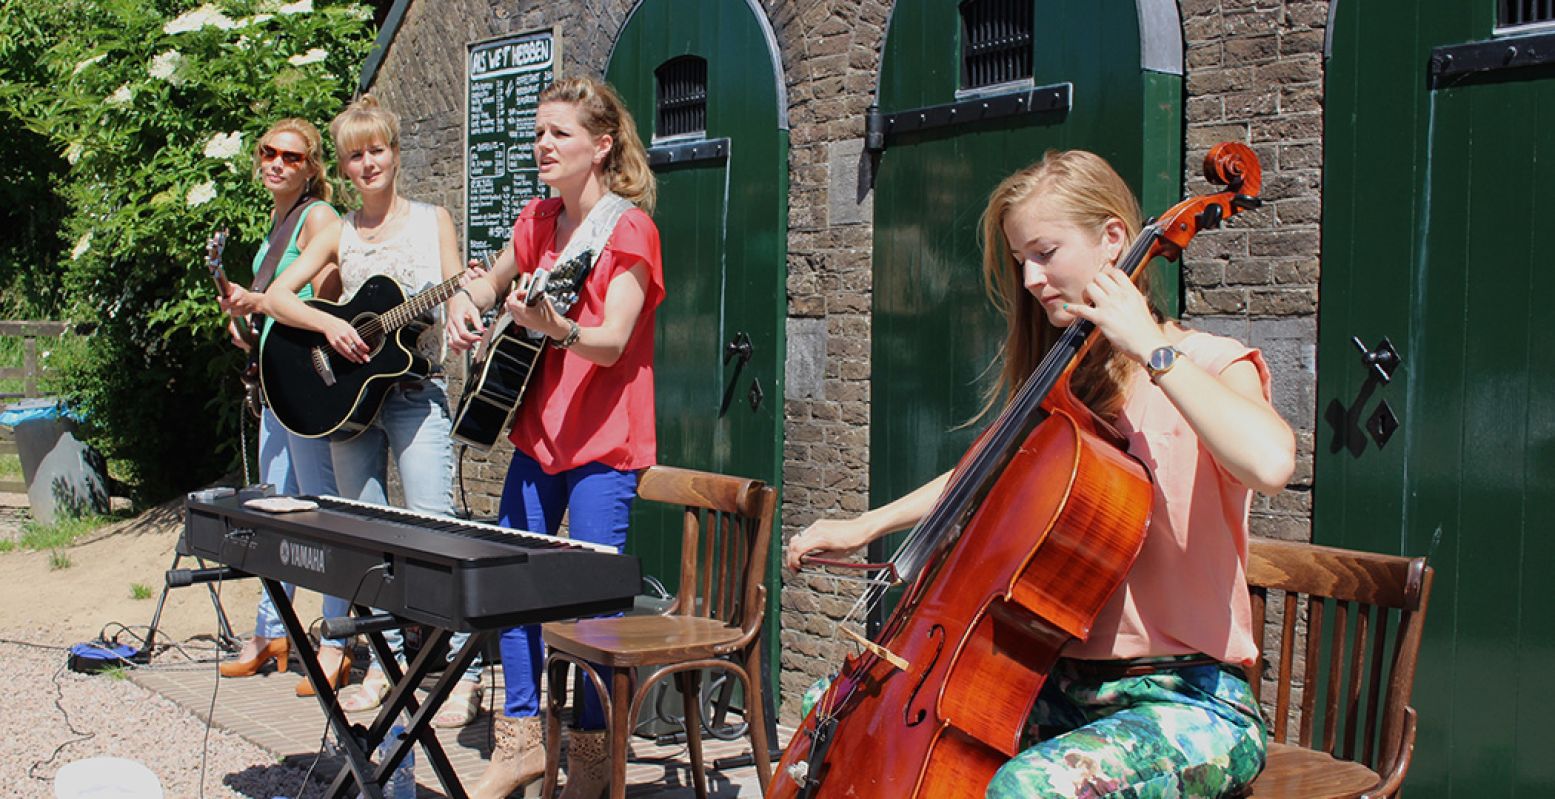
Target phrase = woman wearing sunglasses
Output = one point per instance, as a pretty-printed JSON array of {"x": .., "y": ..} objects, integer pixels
[{"x": 289, "y": 162}]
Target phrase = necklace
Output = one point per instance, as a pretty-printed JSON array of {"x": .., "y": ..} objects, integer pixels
[{"x": 374, "y": 232}]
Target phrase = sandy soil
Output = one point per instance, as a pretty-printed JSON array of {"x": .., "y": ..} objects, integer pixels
[{"x": 55, "y": 716}]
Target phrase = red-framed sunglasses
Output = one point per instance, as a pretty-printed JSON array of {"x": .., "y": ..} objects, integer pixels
[{"x": 288, "y": 157}]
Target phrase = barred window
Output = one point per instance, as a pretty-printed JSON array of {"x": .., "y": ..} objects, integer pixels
[
  {"x": 682, "y": 96},
  {"x": 1525, "y": 12},
  {"x": 996, "y": 40}
]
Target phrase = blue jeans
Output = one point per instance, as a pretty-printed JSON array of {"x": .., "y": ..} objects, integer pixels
[
  {"x": 294, "y": 465},
  {"x": 598, "y": 500},
  {"x": 414, "y": 424}
]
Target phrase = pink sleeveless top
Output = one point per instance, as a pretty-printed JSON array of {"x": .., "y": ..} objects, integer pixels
[{"x": 1187, "y": 592}]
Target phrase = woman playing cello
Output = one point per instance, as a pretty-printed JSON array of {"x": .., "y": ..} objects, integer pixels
[{"x": 1152, "y": 703}]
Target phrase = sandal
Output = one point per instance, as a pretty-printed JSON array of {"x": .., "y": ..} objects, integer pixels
[
  {"x": 367, "y": 696},
  {"x": 460, "y": 707}
]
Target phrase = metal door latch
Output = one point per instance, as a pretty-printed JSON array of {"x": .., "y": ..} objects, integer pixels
[{"x": 1382, "y": 361}]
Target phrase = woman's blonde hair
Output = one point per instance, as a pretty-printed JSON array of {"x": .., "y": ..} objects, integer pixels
[
  {"x": 602, "y": 112},
  {"x": 318, "y": 180},
  {"x": 1089, "y": 194},
  {"x": 363, "y": 122}
]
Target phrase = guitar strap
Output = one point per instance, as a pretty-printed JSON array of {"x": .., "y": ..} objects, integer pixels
[
  {"x": 279, "y": 236},
  {"x": 596, "y": 228}
]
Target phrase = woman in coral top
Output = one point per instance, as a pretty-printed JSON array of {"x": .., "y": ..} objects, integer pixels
[
  {"x": 1153, "y": 704},
  {"x": 585, "y": 428}
]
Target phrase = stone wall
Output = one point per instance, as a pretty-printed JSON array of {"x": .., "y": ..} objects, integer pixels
[{"x": 1254, "y": 74}]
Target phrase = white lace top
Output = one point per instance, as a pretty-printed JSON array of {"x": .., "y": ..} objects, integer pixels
[{"x": 410, "y": 256}]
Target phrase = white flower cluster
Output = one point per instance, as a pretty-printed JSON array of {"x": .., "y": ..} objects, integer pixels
[
  {"x": 204, "y": 16},
  {"x": 74, "y": 152},
  {"x": 164, "y": 66},
  {"x": 224, "y": 145},
  {"x": 200, "y": 194},
  {"x": 120, "y": 96},
  {"x": 257, "y": 19},
  {"x": 313, "y": 56},
  {"x": 299, "y": 7},
  {"x": 88, "y": 62},
  {"x": 82, "y": 245}
]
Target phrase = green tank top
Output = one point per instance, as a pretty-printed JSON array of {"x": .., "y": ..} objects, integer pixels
[{"x": 287, "y": 256}]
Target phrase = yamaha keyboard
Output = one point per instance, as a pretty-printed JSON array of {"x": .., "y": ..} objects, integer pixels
[{"x": 450, "y": 573}]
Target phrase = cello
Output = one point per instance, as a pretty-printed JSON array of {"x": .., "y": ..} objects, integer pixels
[{"x": 1038, "y": 525}]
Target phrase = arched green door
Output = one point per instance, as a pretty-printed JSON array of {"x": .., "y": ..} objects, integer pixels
[
  {"x": 1435, "y": 193},
  {"x": 720, "y": 152},
  {"x": 1103, "y": 76}
]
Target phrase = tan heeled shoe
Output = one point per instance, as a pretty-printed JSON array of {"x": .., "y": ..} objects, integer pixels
[
  {"x": 276, "y": 649},
  {"x": 340, "y": 676},
  {"x": 517, "y": 759},
  {"x": 588, "y": 769}
]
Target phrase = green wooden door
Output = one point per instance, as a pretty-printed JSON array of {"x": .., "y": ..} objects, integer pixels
[
  {"x": 934, "y": 333},
  {"x": 1433, "y": 202},
  {"x": 722, "y": 216}
]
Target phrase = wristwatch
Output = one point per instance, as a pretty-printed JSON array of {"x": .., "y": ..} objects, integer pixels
[{"x": 1161, "y": 361}]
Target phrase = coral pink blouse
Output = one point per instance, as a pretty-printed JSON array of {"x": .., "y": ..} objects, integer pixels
[
  {"x": 577, "y": 412},
  {"x": 1187, "y": 592}
]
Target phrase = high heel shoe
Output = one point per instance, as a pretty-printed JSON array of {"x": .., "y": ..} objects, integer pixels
[
  {"x": 275, "y": 649},
  {"x": 340, "y": 676}
]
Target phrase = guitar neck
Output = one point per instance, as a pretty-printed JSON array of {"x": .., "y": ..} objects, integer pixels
[
  {"x": 224, "y": 287},
  {"x": 407, "y": 311}
]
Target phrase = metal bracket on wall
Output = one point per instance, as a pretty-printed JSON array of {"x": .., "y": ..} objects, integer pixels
[
  {"x": 879, "y": 126},
  {"x": 688, "y": 152},
  {"x": 1493, "y": 55}
]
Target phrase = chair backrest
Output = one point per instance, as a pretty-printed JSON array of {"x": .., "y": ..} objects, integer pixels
[
  {"x": 1354, "y": 677},
  {"x": 726, "y": 535}
]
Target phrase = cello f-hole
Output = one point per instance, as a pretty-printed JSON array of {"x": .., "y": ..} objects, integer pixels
[{"x": 913, "y": 719}]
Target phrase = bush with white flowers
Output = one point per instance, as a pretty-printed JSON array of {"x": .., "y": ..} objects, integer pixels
[{"x": 153, "y": 111}]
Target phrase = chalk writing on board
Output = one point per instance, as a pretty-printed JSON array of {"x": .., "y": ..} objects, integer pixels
[{"x": 504, "y": 78}]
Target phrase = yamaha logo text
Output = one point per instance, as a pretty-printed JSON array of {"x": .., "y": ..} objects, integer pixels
[{"x": 302, "y": 556}]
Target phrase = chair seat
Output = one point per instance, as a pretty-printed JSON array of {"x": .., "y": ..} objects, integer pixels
[
  {"x": 1301, "y": 773},
  {"x": 641, "y": 640}
]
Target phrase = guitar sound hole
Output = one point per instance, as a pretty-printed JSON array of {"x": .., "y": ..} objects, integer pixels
[{"x": 371, "y": 331}]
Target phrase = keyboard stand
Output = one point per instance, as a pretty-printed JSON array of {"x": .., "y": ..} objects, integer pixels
[{"x": 358, "y": 743}]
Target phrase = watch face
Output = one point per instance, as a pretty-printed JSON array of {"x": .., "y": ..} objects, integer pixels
[{"x": 1162, "y": 359}]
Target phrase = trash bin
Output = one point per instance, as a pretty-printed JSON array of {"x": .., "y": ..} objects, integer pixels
[{"x": 64, "y": 477}]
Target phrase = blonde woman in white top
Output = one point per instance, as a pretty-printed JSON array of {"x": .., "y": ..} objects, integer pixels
[{"x": 415, "y": 244}]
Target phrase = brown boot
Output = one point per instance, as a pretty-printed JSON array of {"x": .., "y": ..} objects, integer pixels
[
  {"x": 588, "y": 769},
  {"x": 517, "y": 760}
]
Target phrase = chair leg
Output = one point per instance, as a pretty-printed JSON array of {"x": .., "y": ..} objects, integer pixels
[
  {"x": 555, "y": 693},
  {"x": 618, "y": 717},
  {"x": 756, "y": 716},
  {"x": 690, "y": 684}
]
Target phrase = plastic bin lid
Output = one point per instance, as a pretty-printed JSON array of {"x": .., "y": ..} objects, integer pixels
[
  {"x": 106, "y": 778},
  {"x": 29, "y": 410}
]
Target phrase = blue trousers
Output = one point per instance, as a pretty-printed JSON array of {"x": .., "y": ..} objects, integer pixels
[{"x": 598, "y": 503}]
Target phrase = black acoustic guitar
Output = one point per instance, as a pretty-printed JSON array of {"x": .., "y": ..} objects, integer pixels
[
  {"x": 315, "y": 392},
  {"x": 508, "y": 356}
]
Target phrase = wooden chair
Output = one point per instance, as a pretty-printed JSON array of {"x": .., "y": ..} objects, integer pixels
[
  {"x": 1355, "y": 678},
  {"x": 714, "y": 623}
]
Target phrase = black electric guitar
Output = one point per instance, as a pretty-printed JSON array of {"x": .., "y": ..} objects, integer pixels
[
  {"x": 315, "y": 392},
  {"x": 509, "y": 354},
  {"x": 252, "y": 400}
]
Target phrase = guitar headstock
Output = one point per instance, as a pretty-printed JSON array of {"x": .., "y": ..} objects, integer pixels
[
  {"x": 213, "y": 248},
  {"x": 565, "y": 280}
]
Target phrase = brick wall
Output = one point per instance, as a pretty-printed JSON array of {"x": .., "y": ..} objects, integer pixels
[{"x": 1254, "y": 74}]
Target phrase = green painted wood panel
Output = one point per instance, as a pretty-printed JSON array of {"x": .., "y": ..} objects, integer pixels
[
  {"x": 723, "y": 228},
  {"x": 933, "y": 332},
  {"x": 1432, "y": 201}
]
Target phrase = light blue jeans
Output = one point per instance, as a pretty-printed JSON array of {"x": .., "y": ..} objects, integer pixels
[
  {"x": 415, "y": 425},
  {"x": 294, "y": 465}
]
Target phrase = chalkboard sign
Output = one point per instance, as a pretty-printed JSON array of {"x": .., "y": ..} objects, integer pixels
[{"x": 503, "y": 81}]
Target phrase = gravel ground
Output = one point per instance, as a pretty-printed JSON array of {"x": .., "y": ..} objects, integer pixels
[{"x": 55, "y": 716}]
